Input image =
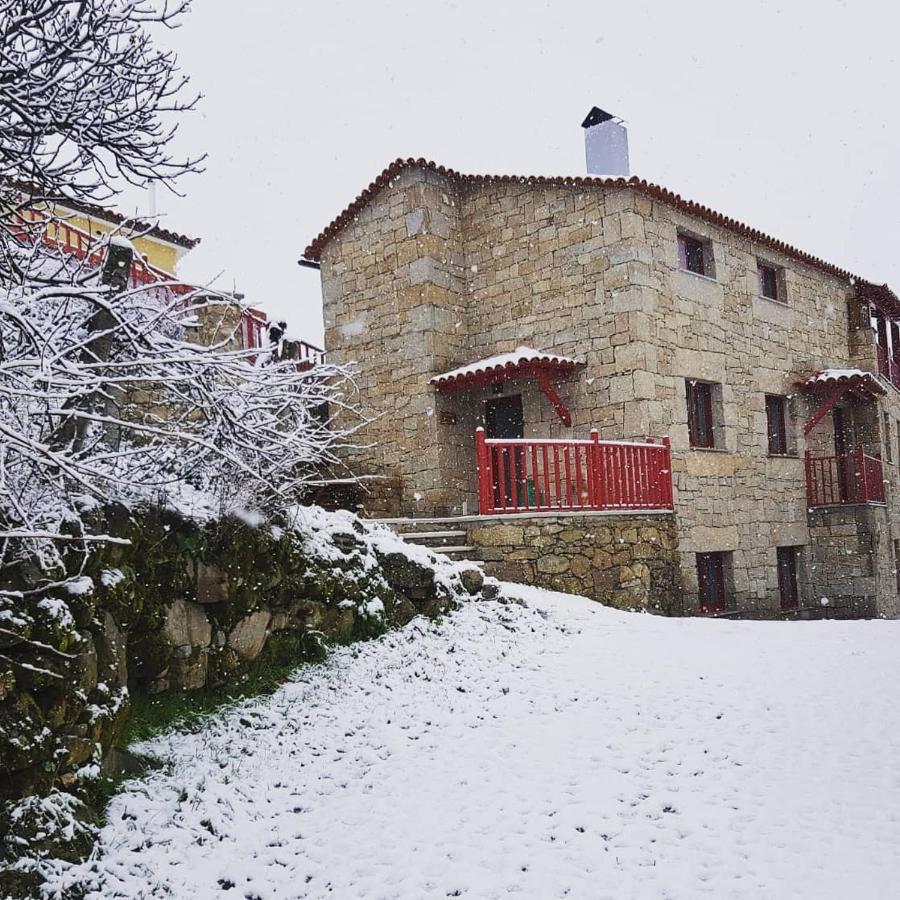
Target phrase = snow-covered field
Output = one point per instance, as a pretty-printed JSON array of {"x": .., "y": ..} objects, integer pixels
[{"x": 556, "y": 749}]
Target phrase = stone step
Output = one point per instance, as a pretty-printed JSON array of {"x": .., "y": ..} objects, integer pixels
[
  {"x": 416, "y": 526},
  {"x": 435, "y": 539},
  {"x": 458, "y": 554}
]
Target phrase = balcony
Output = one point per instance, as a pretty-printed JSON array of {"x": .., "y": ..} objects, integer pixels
[
  {"x": 529, "y": 476},
  {"x": 844, "y": 479}
]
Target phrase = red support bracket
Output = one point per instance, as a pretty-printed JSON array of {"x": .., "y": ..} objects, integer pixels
[
  {"x": 550, "y": 393},
  {"x": 825, "y": 408}
]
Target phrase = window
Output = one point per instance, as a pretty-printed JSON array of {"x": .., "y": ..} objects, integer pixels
[
  {"x": 897, "y": 563},
  {"x": 711, "y": 581},
  {"x": 701, "y": 428},
  {"x": 888, "y": 445},
  {"x": 770, "y": 282},
  {"x": 695, "y": 255},
  {"x": 787, "y": 577},
  {"x": 776, "y": 425}
]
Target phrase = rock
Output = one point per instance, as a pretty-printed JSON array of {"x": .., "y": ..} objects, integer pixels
[
  {"x": 249, "y": 635},
  {"x": 496, "y": 535},
  {"x": 7, "y": 683},
  {"x": 281, "y": 621},
  {"x": 78, "y": 750},
  {"x": 551, "y": 564},
  {"x": 188, "y": 673},
  {"x": 25, "y": 741},
  {"x": 399, "y": 610},
  {"x": 472, "y": 580},
  {"x": 580, "y": 566},
  {"x": 187, "y": 625},
  {"x": 112, "y": 656},
  {"x": 491, "y": 589},
  {"x": 85, "y": 666},
  {"x": 221, "y": 665},
  {"x": 408, "y": 577},
  {"x": 212, "y": 584}
]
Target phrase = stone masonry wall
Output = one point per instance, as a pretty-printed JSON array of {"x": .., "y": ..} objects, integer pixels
[
  {"x": 625, "y": 561},
  {"x": 394, "y": 305}
]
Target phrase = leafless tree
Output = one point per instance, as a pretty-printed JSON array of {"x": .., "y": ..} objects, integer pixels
[{"x": 103, "y": 395}]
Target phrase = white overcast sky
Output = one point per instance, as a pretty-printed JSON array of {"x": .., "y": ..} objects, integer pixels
[{"x": 781, "y": 114}]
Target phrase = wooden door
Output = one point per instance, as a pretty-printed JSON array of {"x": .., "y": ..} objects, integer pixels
[{"x": 504, "y": 420}]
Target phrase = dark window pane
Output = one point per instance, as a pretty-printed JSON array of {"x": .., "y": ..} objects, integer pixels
[
  {"x": 690, "y": 254},
  {"x": 711, "y": 581},
  {"x": 787, "y": 577},
  {"x": 775, "y": 417},
  {"x": 768, "y": 282},
  {"x": 700, "y": 424}
]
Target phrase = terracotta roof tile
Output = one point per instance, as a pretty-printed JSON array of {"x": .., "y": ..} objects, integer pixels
[
  {"x": 314, "y": 251},
  {"x": 109, "y": 215},
  {"x": 522, "y": 359}
]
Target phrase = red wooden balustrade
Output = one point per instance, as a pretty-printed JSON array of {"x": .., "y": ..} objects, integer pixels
[
  {"x": 846, "y": 478},
  {"x": 59, "y": 235},
  {"x": 520, "y": 476}
]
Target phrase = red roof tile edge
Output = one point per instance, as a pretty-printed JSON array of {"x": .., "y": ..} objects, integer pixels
[
  {"x": 866, "y": 380},
  {"x": 314, "y": 251},
  {"x": 544, "y": 361},
  {"x": 109, "y": 215}
]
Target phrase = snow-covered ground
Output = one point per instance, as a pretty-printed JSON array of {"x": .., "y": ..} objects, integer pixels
[{"x": 557, "y": 749}]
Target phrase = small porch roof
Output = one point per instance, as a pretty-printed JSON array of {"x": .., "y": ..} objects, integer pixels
[
  {"x": 833, "y": 384},
  {"x": 523, "y": 362},
  {"x": 861, "y": 384}
]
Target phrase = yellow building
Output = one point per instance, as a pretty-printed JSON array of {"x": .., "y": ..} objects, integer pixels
[{"x": 160, "y": 248}]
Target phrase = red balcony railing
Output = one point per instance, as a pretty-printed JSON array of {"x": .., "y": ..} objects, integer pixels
[
  {"x": 846, "y": 478},
  {"x": 30, "y": 225},
  {"x": 888, "y": 367},
  {"x": 550, "y": 475}
]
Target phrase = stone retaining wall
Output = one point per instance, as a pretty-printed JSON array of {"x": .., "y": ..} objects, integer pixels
[
  {"x": 182, "y": 607},
  {"x": 629, "y": 561}
]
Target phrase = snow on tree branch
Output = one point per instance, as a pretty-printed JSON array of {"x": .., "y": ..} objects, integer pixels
[
  {"x": 103, "y": 397},
  {"x": 86, "y": 98}
]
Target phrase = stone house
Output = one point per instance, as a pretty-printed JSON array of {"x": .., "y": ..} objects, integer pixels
[{"x": 577, "y": 319}]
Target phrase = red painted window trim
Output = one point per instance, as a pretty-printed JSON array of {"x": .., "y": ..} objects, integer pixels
[
  {"x": 776, "y": 424},
  {"x": 700, "y": 414},
  {"x": 711, "y": 581},
  {"x": 691, "y": 254},
  {"x": 787, "y": 577}
]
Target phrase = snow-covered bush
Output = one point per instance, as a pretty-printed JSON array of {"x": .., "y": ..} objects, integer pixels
[{"x": 103, "y": 397}]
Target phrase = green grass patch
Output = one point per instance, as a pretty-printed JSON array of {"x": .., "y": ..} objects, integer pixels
[{"x": 150, "y": 715}]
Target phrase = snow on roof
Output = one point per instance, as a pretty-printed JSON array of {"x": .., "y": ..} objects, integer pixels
[
  {"x": 837, "y": 374},
  {"x": 859, "y": 379},
  {"x": 518, "y": 357}
]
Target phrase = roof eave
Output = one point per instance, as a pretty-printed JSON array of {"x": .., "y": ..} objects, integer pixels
[{"x": 313, "y": 252}]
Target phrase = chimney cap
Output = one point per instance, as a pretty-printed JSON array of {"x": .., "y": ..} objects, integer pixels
[{"x": 596, "y": 116}]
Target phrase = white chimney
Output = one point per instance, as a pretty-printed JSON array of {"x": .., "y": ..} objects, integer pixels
[{"x": 605, "y": 145}]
